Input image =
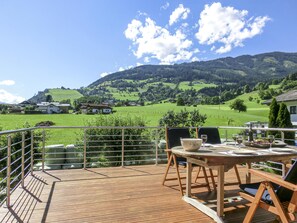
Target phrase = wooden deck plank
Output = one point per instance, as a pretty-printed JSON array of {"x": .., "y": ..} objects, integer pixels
[{"x": 130, "y": 194}]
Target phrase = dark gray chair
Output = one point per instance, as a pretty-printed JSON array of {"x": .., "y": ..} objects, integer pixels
[
  {"x": 273, "y": 194},
  {"x": 173, "y": 136}
]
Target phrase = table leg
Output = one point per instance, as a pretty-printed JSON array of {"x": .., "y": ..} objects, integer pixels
[
  {"x": 189, "y": 179},
  {"x": 220, "y": 191},
  {"x": 248, "y": 174}
]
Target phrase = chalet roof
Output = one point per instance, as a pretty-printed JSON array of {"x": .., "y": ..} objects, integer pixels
[
  {"x": 288, "y": 96},
  {"x": 98, "y": 106},
  {"x": 57, "y": 104}
]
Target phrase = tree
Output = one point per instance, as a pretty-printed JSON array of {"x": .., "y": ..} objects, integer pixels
[
  {"x": 273, "y": 113},
  {"x": 182, "y": 118},
  {"x": 109, "y": 140},
  {"x": 246, "y": 89},
  {"x": 180, "y": 102},
  {"x": 49, "y": 98},
  {"x": 284, "y": 120},
  {"x": 238, "y": 105}
]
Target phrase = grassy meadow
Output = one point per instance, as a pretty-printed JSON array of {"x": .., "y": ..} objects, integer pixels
[{"x": 217, "y": 115}]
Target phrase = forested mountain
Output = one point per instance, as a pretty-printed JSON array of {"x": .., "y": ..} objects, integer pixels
[
  {"x": 242, "y": 70},
  {"x": 204, "y": 82}
]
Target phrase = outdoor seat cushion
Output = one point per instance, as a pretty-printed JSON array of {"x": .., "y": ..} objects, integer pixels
[
  {"x": 182, "y": 163},
  {"x": 252, "y": 189}
]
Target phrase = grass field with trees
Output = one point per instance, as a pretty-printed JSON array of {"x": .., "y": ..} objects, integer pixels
[{"x": 217, "y": 115}]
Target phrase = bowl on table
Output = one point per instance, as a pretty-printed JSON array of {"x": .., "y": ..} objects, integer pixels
[{"x": 190, "y": 144}]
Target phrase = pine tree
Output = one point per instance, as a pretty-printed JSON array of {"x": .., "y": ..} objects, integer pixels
[
  {"x": 273, "y": 113},
  {"x": 284, "y": 120},
  {"x": 180, "y": 102}
]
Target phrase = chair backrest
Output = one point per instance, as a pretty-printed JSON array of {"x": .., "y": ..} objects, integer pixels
[
  {"x": 173, "y": 136},
  {"x": 283, "y": 193},
  {"x": 213, "y": 135}
]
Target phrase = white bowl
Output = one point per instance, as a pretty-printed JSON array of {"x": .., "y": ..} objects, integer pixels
[{"x": 190, "y": 144}]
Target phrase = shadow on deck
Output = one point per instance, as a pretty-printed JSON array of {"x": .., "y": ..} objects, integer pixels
[{"x": 129, "y": 194}]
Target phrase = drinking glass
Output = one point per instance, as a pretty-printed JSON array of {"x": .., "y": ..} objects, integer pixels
[
  {"x": 204, "y": 139},
  {"x": 234, "y": 137},
  {"x": 239, "y": 140},
  {"x": 270, "y": 139}
]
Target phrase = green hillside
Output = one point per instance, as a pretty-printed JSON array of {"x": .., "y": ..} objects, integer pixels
[
  {"x": 197, "y": 82},
  {"x": 58, "y": 94},
  {"x": 64, "y": 94},
  {"x": 201, "y": 82}
]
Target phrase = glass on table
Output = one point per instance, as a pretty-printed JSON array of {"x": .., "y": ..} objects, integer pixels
[
  {"x": 234, "y": 137},
  {"x": 239, "y": 140},
  {"x": 270, "y": 139},
  {"x": 204, "y": 140}
]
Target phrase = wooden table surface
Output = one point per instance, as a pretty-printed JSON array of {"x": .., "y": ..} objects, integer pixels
[
  {"x": 223, "y": 157},
  {"x": 221, "y": 154}
]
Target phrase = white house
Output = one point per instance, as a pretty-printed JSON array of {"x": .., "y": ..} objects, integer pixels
[
  {"x": 95, "y": 109},
  {"x": 290, "y": 100},
  {"x": 53, "y": 107}
]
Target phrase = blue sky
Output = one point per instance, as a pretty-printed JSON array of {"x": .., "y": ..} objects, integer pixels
[{"x": 71, "y": 43}]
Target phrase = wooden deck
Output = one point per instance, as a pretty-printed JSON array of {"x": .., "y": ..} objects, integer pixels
[{"x": 130, "y": 194}]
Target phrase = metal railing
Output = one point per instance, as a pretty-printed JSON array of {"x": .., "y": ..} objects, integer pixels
[{"x": 45, "y": 148}]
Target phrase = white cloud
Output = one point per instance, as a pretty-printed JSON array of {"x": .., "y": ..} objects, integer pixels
[
  {"x": 164, "y": 7},
  {"x": 7, "y": 82},
  {"x": 9, "y": 98},
  {"x": 179, "y": 13},
  {"x": 227, "y": 27},
  {"x": 157, "y": 42},
  {"x": 133, "y": 29},
  {"x": 140, "y": 13},
  {"x": 146, "y": 60},
  {"x": 104, "y": 74},
  {"x": 195, "y": 59},
  {"x": 125, "y": 68}
]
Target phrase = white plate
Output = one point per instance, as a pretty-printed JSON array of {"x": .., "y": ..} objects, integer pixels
[
  {"x": 282, "y": 150},
  {"x": 206, "y": 145},
  {"x": 244, "y": 152}
]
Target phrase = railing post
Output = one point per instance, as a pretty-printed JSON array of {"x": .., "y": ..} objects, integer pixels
[
  {"x": 157, "y": 148},
  {"x": 282, "y": 136},
  {"x": 85, "y": 148},
  {"x": 226, "y": 134},
  {"x": 43, "y": 149},
  {"x": 283, "y": 170},
  {"x": 123, "y": 146},
  {"x": 32, "y": 152},
  {"x": 23, "y": 159},
  {"x": 8, "y": 171}
]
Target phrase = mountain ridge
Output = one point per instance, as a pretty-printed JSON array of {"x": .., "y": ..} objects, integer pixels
[
  {"x": 252, "y": 65},
  {"x": 231, "y": 74}
]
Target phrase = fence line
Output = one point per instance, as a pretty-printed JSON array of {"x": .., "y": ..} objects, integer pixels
[{"x": 38, "y": 148}]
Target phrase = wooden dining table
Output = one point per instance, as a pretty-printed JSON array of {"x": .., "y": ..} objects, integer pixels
[{"x": 222, "y": 157}]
